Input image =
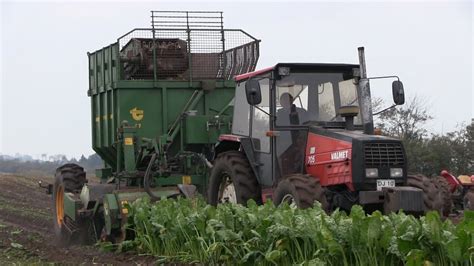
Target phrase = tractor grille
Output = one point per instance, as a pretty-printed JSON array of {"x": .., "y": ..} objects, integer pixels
[{"x": 389, "y": 154}]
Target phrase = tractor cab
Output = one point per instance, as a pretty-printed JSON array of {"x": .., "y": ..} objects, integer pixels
[{"x": 281, "y": 104}]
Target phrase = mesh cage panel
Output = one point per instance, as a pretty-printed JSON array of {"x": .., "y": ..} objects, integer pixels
[
  {"x": 187, "y": 19},
  {"x": 197, "y": 47},
  {"x": 241, "y": 54}
]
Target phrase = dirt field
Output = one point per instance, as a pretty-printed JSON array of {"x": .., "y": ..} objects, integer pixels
[{"x": 26, "y": 232}]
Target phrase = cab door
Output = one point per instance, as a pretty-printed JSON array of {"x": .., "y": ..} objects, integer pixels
[
  {"x": 259, "y": 124},
  {"x": 291, "y": 113}
]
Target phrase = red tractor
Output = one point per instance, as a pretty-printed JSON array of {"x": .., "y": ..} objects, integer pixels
[
  {"x": 303, "y": 133},
  {"x": 461, "y": 190}
]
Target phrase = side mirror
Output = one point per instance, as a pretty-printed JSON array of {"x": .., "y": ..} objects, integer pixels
[
  {"x": 398, "y": 92},
  {"x": 253, "y": 92}
]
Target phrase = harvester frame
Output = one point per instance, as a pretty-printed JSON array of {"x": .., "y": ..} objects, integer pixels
[{"x": 160, "y": 98}]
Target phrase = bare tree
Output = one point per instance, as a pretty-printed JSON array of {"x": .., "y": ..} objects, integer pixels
[
  {"x": 406, "y": 122},
  {"x": 377, "y": 105}
]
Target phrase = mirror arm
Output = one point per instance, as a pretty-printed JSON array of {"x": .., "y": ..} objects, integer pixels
[
  {"x": 388, "y": 108},
  {"x": 262, "y": 110},
  {"x": 384, "y": 77}
]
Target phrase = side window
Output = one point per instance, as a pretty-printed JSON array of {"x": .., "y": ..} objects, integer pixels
[
  {"x": 326, "y": 102},
  {"x": 240, "y": 121},
  {"x": 295, "y": 96},
  {"x": 261, "y": 120}
]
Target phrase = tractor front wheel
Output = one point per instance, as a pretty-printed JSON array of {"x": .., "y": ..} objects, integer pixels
[
  {"x": 300, "y": 191},
  {"x": 69, "y": 178},
  {"x": 232, "y": 180}
]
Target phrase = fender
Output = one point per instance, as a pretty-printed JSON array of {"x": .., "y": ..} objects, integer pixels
[
  {"x": 229, "y": 142},
  {"x": 452, "y": 181}
]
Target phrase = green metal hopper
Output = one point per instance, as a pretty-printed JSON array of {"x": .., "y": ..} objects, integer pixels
[{"x": 171, "y": 85}]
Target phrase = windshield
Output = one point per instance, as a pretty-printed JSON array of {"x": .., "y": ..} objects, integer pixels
[{"x": 303, "y": 97}]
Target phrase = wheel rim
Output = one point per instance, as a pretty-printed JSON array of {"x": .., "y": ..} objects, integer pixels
[
  {"x": 288, "y": 198},
  {"x": 227, "y": 191},
  {"x": 60, "y": 205}
]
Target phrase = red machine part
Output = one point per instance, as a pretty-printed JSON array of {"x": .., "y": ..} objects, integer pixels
[
  {"x": 229, "y": 137},
  {"x": 330, "y": 160},
  {"x": 267, "y": 193},
  {"x": 453, "y": 181}
]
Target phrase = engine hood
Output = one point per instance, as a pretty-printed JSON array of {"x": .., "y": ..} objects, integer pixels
[
  {"x": 366, "y": 151},
  {"x": 346, "y": 135}
]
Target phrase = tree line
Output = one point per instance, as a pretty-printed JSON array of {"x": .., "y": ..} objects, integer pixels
[{"x": 40, "y": 167}]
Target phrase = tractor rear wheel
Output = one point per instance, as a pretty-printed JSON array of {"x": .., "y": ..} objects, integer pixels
[
  {"x": 301, "y": 191},
  {"x": 432, "y": 197},
  {"x": 69, "y": 178},
  {"x": 232, "y": 180},
  {"x": 469, "y": 199}
]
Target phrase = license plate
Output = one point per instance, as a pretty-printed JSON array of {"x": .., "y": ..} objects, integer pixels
[{"x": 381, "y": 183}]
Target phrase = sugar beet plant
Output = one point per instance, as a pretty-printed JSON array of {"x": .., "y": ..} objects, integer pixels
[{"x": 191, "y": 231}]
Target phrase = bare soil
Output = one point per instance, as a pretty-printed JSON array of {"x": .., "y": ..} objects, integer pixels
[{"x": 26, "y": 229}]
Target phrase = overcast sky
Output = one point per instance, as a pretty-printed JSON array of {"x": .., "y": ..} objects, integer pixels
[{"x": 44, "y": 107}]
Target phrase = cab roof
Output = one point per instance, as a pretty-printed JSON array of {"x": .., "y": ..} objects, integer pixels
[{"x": 321, "y": 67}]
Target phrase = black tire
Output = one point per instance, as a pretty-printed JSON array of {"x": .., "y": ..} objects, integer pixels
[
  {"x": 68, "y": 178},
  {"x": 432, "y": 198},
  {"x": 443, "y": 187},
  {"x": 304, "y": 190},
  {"x": 468, "y": 199},
  {"x": 233, "y": 166}
]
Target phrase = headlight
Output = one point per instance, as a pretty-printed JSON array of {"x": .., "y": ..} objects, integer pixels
[
  {"x": 396, "y": 172},
  {"x": 371, "y": 172}
]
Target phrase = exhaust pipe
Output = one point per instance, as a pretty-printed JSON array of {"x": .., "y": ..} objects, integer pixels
[{"x": 364, "y": 94}]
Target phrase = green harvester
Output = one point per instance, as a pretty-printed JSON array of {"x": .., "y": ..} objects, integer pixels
[{"x": 160, "y": 98}]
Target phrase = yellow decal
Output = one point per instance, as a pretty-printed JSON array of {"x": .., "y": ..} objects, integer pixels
[
  {"x": 124, "y": 207},
  {"x": 104, "y": 117},
  {"x": 97, "y": 118},
  {"x": 137, "y": 114},
  {"x": 186, "y": 180},
  {"x": 128, "y": 141},
  {"x": 111, "y": 116}
]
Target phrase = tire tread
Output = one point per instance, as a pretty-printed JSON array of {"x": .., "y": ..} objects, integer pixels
[{"x": 245, "y": 182}]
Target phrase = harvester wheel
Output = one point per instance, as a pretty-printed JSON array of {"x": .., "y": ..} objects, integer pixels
[
  {"x": 300, "y": 190},
  {"x": 69, "y": 178},
  {"x": 469, "y": 199},
  {"x": 432, "y": 197},
  {"x": 232, "y": 180},
  {"x": 443, "y": 188}
]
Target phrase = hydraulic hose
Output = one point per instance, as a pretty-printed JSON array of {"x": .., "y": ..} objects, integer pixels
[
  {"x": 205, "y": 161},
  {"x": 146, "y": 179}
]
